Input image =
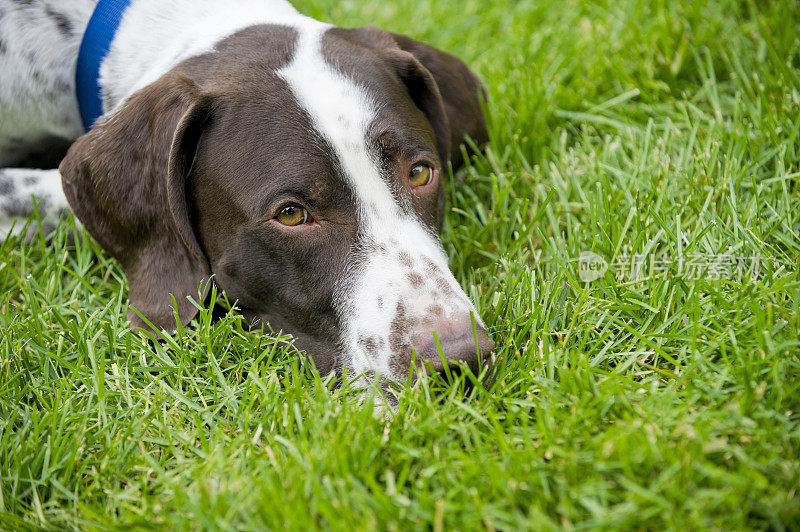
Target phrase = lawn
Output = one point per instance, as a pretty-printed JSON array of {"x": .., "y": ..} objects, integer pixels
[{"x": 658, "y": 390}]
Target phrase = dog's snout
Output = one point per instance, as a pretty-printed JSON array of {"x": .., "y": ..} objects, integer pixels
[{"x": 460, "y": 343}]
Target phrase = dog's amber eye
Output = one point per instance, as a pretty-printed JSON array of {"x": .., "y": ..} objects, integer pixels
[
  {"x": 292, "y": 215},
  {"x": 420, "y": 175}
]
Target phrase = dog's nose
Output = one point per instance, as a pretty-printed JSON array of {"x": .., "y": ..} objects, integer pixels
[{"x": 460, "y": 342}]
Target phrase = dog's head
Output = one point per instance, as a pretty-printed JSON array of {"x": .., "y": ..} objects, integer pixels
[{"x": 303, "y": 168}]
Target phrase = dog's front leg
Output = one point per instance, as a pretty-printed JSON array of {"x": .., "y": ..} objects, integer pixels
[{"x": 22, "y": 190}]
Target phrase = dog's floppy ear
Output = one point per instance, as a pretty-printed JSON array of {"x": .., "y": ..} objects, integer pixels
[
  {"x": 461, "y": 92},
  {"x": 125, "y": 180},
  {"x": 440, "y": 84}
]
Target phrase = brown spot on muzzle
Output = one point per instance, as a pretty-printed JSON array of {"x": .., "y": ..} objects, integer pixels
[
  {"x": 405, "y": 259},
  {"x": 415, "y": 279},
  {"x": 370, "y": 343},
  {"x": 436, "y": 310},
  {"x": 398, "y": 340}
]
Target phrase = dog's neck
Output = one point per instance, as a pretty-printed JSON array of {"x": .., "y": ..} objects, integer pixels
[{"x": 154, "y": 36}]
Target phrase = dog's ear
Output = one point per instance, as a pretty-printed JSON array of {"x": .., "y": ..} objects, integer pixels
[
  {"x": 441, "y": 85},
  {"x": 125, "y": 180},
  {"x": 461, "y": 92}
]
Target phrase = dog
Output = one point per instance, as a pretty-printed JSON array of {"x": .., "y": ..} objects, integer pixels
[{"x": 299, "y": 165}]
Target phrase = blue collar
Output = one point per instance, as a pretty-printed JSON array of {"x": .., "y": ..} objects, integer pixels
[{"x": 94, "y": 48}]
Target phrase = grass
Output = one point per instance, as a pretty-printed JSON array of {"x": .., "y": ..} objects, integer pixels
[{"x": 667, "y": 400}]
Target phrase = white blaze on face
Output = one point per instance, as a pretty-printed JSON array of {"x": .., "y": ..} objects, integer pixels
[{"x": 397, "y": 279}]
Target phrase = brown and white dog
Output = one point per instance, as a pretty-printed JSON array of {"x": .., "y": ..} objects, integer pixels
[{"x": 299, "y": 165}]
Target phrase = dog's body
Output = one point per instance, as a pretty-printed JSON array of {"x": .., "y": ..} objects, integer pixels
[
  {"x": 296, "y": 163},
  {"x": 37, "y": 87}
]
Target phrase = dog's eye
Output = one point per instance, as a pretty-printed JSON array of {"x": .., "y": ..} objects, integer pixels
[
  {"x": 292, "y": 215},
  {"x": 420, "y": 175}
]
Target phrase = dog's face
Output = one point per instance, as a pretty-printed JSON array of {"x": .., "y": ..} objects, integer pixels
[{"x": 304, "y": 169}]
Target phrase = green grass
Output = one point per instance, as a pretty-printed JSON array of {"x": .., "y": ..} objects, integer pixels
[{"x": 669, "y": 128}]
